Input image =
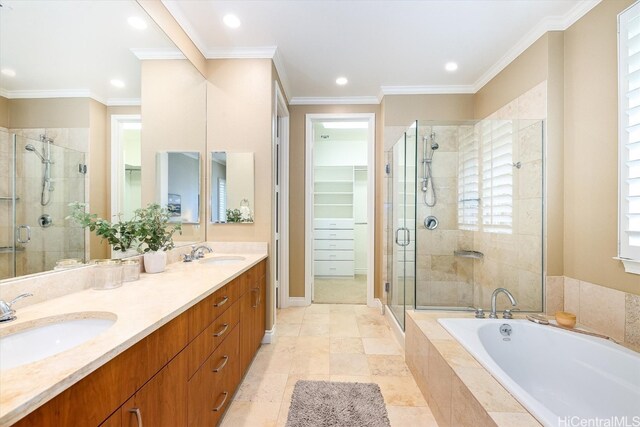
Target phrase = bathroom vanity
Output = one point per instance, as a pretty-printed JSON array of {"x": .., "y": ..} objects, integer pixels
[{"x": 177, "y": 352}]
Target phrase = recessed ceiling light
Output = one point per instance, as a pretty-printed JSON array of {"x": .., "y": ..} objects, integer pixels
[
  {"x": 451, "y": 66},
  {"x": 231, "y": 21},
  {"x": 345, "y": 125},
  {"x": 341, "y": 81},
  {"x": 8, "y": 72},
  {"x": 137, "y": 23},
  {"x": 117, "y": 83}
]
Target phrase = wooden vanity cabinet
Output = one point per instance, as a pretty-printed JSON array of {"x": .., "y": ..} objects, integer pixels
[{"x": 185, "y": 373}]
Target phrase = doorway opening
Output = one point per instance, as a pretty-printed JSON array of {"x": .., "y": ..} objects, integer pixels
[{"x": 340, "y": 208}]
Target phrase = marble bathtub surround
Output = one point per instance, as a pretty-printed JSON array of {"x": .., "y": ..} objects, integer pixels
[
  {"x": 459, "y": 391},
  {"x": 165, "y": 297},
  {"x": 605, "y": 310}
]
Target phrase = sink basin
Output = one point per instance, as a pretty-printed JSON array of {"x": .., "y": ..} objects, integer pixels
[
  {"x": 223, "y": 259},
  {"x": 39, "y": 342}
]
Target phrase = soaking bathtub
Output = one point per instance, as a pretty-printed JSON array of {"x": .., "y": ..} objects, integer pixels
[{"x": 560, "y": 377}]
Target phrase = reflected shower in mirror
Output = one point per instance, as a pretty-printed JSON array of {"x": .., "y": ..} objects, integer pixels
[
  {"x": 178, "y": 184},
  {"x": 232, "y": 187}
]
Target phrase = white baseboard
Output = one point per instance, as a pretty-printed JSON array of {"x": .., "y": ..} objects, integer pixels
[
  {"x": 269, "y": 336},
  {"x": 378, "y": 304},
  {"x": 297, "y": 302},
  {"x": 398, "y": 333}
]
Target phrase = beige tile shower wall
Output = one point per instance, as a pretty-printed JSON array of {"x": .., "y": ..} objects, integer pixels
[
  {"x": 62, "y": 239},
  {"x": 608, "y": 311},
  {"x": 6, "y": 235},
  {"x": 514, "y": 261},
  {"x": 442, "y": 278}
]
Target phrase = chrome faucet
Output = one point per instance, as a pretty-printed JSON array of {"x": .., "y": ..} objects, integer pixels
[
  {"x": 196, "y": 252},
  {"x": 494, "y": 297},
  {"x": 7, "y": 313}
]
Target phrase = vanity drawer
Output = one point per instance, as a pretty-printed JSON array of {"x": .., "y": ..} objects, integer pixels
[
  {"x": 333, "y": 224},
  {"x": 224, "y": 365},
  {"x": 207, "y": 310},
  {"x": 333, "y": 245},
  {"x": 210, "y": 338},
  {"x": 333, "y": 255},
  {"x": 333, "y": 234},
  {"x": 333, "y": 268}
]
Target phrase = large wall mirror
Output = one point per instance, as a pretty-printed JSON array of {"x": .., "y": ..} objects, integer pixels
[
  {"x": 104, "y": 60},
  {"x": 178, "y": 185},
  {"x": 232, "y": 198}
]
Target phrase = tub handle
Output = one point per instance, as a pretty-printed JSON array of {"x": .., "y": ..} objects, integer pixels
[{"x": 508, "y": 313}]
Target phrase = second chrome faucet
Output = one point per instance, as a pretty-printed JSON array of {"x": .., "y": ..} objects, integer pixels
[{"x": 494, "y": 296}]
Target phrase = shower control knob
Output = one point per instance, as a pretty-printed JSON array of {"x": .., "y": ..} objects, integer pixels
[{"x": 45, "y": 220}]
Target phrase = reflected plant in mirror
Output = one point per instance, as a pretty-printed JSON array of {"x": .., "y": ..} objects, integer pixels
[{"x": 232, "y": 187}]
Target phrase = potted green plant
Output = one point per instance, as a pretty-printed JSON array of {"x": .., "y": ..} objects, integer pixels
[
  {"x": 155, "y": 234},
  {"x": 121, "y": 235}
]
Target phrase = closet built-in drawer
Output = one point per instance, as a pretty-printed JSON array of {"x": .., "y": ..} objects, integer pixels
[
  {"x": 331, "y": 245},
  {"x": 333, "y": 255},
  {"x": 333, "y": 268},
  {"x": 333, "y": 224},
  {"x": 333, "y": 234}
]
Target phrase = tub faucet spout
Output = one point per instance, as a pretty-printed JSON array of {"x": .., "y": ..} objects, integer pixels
[{"x": 494, "y": 297}]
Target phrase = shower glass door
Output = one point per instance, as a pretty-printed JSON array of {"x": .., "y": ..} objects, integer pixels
[{"x": 403, "y": 225}]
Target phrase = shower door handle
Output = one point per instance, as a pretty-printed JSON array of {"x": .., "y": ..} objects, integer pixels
[
  {"x": 407, "y": 240},
  {"x": 19, "y": 234}
]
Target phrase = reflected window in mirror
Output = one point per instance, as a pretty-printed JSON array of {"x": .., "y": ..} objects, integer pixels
[
  {"x": 232, "y": 187},
  {"x": 178, "y": 184}
]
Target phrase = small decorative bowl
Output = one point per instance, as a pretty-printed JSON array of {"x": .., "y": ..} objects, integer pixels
[{"x": 568, "y": 320}]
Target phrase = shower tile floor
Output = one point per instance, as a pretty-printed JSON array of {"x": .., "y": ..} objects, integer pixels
[{"x": 327, "y": 342}]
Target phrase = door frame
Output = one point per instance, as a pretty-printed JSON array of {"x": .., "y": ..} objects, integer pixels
[
  {"x": 117, "y": 163},
  {"x": 280, "y": 122},
  {"x": 310, "y": 119}
]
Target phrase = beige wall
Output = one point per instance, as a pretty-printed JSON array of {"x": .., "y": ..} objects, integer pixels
[
  {"x": 174, "y": 118},
  {"x": 99, "y": 161},
  {"x": 4, "y": 112},
  {"x": 240, "y": 106},
  {"x": 49, "y": 113},
  {"x": 591, "y": 150},
  {"x": 401, "y": 110},
  {"x": 297, "y": 187}
]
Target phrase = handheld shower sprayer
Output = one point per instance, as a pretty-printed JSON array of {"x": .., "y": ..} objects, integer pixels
[
  {"x": 427, "y": 174},
  {"x": 47, "y": 182}
]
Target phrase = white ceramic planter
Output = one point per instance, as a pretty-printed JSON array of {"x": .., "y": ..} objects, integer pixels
[{"x": 155, "y": 262}]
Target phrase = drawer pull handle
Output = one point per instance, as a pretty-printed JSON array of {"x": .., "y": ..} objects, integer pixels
[
  {"x": 222, "y": 365},
  {"x": 222, "y": 330},
  {"x": 222, "y": 302},
  {"x": 221, "y": 405},
  {"x": 138, "y": 415}
]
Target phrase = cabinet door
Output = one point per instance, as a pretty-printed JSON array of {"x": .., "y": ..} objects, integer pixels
[
  {"x": 163, "y": 400},
  {"x": 246, "y": 330},
  {"x": 115, "y": 420}
]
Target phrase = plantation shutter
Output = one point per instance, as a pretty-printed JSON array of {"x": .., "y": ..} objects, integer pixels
[
  {"x": 629, "y": 134},
  {"x": 468, "y": 181},
  {"x": 222, "y": 199},
  {"x": 497, "y": 175}
]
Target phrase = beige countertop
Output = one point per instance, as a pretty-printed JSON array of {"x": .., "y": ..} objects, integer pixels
[{"x": 141, "y": 307}]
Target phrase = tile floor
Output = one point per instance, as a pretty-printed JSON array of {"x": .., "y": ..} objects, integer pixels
[
  {"x": 340, "y": 290},
  {"x": 332, "y": 343}
]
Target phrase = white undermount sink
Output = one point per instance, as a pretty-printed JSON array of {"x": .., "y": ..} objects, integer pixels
[
  {"x": 39, "y": 342},
  {"x": 223, "y": 259}
]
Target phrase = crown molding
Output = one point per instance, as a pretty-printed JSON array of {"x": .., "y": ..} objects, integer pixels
[
  {"x": 548, "y": 24},
  {"x": 4, "y": 93},
  {"x": 425, "y": 90},
  {"x": 174, "y": 9},
  {"x": 301, "y": 100},
  {"x": 144, "y": 54},
  {"x": 123, "y": 102},
  {"x": 263, "y": 52},
  {"x": 55, "y": 93}
]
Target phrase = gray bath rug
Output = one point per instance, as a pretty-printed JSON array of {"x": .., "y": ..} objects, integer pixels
[{"x": 325, "y": 404}]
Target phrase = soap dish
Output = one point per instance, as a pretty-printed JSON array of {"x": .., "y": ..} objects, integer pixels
[{"x": 566, "y": 319}]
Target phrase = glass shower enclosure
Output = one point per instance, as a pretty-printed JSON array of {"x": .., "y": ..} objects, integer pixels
[
  {"x": 464, "y": 215},
  {"x": 38, "y": 180}
]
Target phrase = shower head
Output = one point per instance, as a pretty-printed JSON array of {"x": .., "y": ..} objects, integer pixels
[
  {"x": 434, "y": 145},
  {"x": 30, "y": 147}
]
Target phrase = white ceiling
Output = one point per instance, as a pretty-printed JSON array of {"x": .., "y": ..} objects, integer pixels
[
  {"x": 74, "y": 48},
  {"x": 385, "y": 46}
]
